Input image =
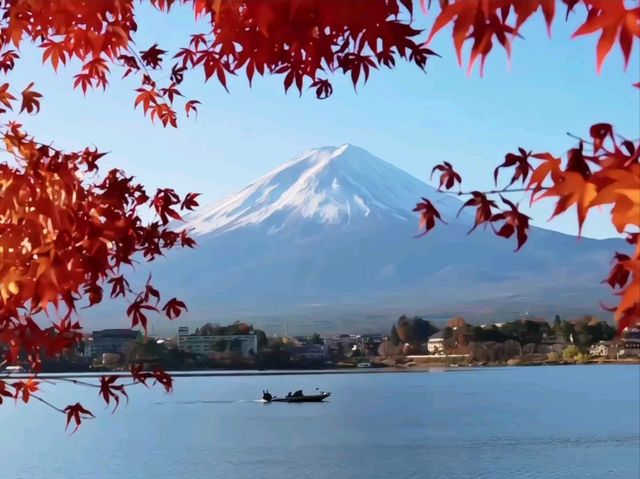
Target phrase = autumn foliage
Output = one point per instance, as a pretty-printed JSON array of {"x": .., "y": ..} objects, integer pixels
[
  {"x": 606, "y": 175},
  {"x": 68, "y": 230}
]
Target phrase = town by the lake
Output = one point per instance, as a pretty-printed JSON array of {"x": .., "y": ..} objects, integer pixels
[{"x": 411, "y": 343}]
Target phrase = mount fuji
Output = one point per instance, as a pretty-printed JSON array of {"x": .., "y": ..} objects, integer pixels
[{"x": 329, "y": 238}]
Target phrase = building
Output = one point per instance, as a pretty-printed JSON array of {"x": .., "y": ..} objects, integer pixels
[
  {"x": 372, "y": 343},
  {"x": 630, "y": 348},
  {"x": 435, "y": 344},
  {"x": 309, "y": 352},
  {"x": 240, "y": 345},
  {"x": 344, "y": 344},
  {"x": 604, "y": 349},
  {"x": 111, "y": 341}
]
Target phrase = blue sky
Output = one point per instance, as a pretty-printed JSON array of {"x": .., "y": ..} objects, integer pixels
[{"x": 408, "y": 118}]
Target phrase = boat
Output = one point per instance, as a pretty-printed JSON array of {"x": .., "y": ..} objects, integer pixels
[{"x": 296, "y": 397}]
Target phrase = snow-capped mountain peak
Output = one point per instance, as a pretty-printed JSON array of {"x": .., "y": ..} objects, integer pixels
[{"x": 330, "y": 186}]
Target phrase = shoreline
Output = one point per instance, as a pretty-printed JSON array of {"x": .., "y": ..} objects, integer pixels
[{"x": 315, "y": 372}]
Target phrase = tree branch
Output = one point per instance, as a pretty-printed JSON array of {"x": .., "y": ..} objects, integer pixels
[
  {"x": 495, "y": 192},
  {"x": 579, "y": 138},
  {"x": 84, "y": 383},
  {"x": 73, "y": 381},
  {"x": 47, "y": 403}
]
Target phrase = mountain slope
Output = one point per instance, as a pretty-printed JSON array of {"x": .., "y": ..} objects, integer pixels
[
  {"x": 328, "y": 186},
  {"x": 331, "y": 234}
]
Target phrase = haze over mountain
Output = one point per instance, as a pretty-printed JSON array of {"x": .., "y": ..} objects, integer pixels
[{"x": 329, "y": 238}]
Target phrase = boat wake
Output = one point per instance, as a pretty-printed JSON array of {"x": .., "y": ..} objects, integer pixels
[{"x": 212, "y": 401}]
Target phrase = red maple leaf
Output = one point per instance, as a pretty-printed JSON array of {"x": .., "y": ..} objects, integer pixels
[
  {"x": 521, "y": 162},
  {"x": 190, "y": 106},
  {"x": 164, "y": 379},
  {"x": 76, "y": 413},
  {"x": 323, "y": 87},
  {"x": 484, "y": 208},
  {"x": 4, "y": 392},
  {"x": 24, "y": 389},
  {"x": 136, "y": 312},
  {"x": 428, "y": 215},
  {"x": 449, "y": 177},
  {"x": 190, "y": 201},
  {"x": 514, "y": 222},
  {"x": 109, "y": 390},
  {"x": 174, "y": 308},
  {"x": 120, "y": 286},
  {"x": 152, "y": 56},
  {"x": 619, "y": 274},
  {"x": 30, "y": 100},
  {"x": 139, "y": 375}
]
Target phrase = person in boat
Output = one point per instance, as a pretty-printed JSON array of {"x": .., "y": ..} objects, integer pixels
[
  {"x": 298, "y": 393},
  {"x": 289, "y": 394},
  {"x": 266, "y": 396}
]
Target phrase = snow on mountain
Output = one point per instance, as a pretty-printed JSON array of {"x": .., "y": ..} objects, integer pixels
[
  {"x": 331, "y": 235},
  {"x": 329, "y": 186}
]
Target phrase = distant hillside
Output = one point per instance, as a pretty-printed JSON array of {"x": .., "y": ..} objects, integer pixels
[{"x": 327, "y": 242}]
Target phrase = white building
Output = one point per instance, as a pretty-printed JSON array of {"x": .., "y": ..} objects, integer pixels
[
  {"x": 630, "y": 348},
  {"x": 435, "y": 344},
  {"x": 244, "y": 345},
  {"x": 603, "y": 349}
]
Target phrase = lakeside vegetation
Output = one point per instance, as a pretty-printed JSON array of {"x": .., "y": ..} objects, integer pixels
[{"x": 412, "y": 342}]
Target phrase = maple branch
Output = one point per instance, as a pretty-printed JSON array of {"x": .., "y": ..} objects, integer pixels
[
  {"x": 576, "y": 137},
  {"x": 495, "y": 192},
  {"x": 84, "y": 383},
  {"x": 43, "y": 401},
  {"x": 135, "y": 54},
  {"x": 74, "y": 381}
]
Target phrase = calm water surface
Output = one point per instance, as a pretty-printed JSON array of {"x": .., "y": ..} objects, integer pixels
[{"x": 544, "y": 422}]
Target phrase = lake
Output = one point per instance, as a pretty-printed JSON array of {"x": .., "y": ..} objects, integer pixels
[{"x": 527, "y": 422}]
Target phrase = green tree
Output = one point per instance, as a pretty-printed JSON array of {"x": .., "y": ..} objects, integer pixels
[
  {"x": 209, "y": 329},
  {"x": 414, "y": 331},
  {"x": 449, "y": 343},
  {"x": 553, "y": 357},
  {"x": 582, "y": 358},
  {"x": 491, "y": 333},
  {"x": 583, "y": 340},
  {"x": 563, "y": 329},
  {"x": 315, "y": 339},
  {"x": 147, "y": 349},
  {"x": 570, "y": 352},
  {"x": 600, "y": 331}
]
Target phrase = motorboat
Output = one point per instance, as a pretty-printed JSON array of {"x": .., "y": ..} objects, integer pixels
[{"x": 297, "y": 397}]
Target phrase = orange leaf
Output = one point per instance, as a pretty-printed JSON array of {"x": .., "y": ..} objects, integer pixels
[
  {"x": 55, "y": 51},
  {"x": 5, "y": 96},
  {"x": 573, "y": 189},
  {"x": 613, "y": 19}
]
